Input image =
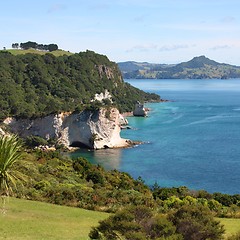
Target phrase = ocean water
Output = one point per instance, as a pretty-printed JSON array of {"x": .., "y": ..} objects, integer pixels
[{"x": 193, "y": 140}]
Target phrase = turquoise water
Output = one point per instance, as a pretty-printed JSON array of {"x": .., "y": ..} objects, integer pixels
[{"x": 191, "y": 141}]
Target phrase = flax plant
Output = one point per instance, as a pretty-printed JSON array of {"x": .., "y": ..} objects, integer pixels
[{"x": 10, "y": 155}]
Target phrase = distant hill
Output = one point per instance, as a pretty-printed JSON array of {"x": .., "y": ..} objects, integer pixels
[
  {"x": 198, "y": 68},
  {"x": 133, "y": 66}
]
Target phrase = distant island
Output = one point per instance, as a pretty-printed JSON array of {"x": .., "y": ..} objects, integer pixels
[{"x": 198, "y": 68}]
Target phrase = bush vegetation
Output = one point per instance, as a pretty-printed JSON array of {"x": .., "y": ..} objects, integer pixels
[
  {"x": 140, "y": 222},
  {"x": 58, "y": 179},
  {"x": 43, "y": 47},
  {"x": 33, "y": 85},
  {"x": 37, "y": 85},
  {"x": 166, "y": 213}
]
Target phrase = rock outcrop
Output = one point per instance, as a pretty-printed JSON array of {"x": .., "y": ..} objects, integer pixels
[
  {"x": 96, "y": 130},
  {"x": 2, "y": 132},
  {"x": 139, "y": 110},
  {"x": 105, "y": 95}
]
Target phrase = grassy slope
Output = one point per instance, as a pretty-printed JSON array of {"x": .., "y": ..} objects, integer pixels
[
  {"x": 35, "y": 220},
  {"x": 56, "y": 53},
  {"x": 232, "y": 225}
]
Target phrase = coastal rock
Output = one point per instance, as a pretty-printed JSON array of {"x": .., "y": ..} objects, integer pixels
[
  {"x": 122, "y": 120},
  {"x": 2, "y": 132},
  {"x": 101, "y": 96},
  {"x": 139, "y": 110},
  {"x": 92, "y": 129}
]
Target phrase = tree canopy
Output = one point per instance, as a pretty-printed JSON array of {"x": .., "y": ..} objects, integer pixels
[
  {"x": 140, "y": 222},
  {"x": 33, "y": 85},
  {"x": 45, "y": 47}
]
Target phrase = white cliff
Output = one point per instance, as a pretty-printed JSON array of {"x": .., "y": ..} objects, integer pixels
[
  {"x": 101, "y": 96},
  {"x": 98, "y": 129},
  {"x": 2, "y": 132}
]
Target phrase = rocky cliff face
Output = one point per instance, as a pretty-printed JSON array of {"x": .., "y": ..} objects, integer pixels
[{"x": 98, "y": 129}]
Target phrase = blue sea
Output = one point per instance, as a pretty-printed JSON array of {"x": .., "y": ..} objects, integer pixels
[{"x": 193, "y": 140}]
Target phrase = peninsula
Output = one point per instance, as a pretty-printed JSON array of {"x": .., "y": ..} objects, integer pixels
[{"x": 74, "y": 99}]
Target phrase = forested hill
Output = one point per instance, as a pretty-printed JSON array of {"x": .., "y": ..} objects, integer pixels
[
  {"x": 34, "y": 85},
  {"x": 197, "y": 68}
]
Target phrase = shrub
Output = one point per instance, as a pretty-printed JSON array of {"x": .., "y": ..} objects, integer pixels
[
  {"x": 197, "y": 223},
  {"x": 35, "y": 141},
  {"x": 135, "y": 223},
  {"x": 81, "y": 165},
  {"x": 95, "y": 176},
  {"x": 42, "y": 185},
  {"x": 234, "y": 237}
]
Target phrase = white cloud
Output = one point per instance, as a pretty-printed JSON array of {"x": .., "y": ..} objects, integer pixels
[
  {"x": 220, "y": 47},
  {"x": 174, "y": 47},
  {"x": 142, "y": 48}
]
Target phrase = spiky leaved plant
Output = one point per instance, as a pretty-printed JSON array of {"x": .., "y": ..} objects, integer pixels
[{"x": 10, "y": 154}]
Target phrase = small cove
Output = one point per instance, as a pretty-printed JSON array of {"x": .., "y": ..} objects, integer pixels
[{"x": 192, "y": 141}]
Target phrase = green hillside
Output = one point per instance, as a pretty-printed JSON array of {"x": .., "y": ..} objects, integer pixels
[
  {"x": 232, "y": 225},
  {"x": 198, "y": 68},
  {"x": 34, "y": 85},
  {"x": 28, "y": 220},
  {"x": 56, "y": 53},
  {"x": 51, "y": 177}
]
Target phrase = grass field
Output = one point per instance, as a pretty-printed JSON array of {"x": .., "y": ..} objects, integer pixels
[
  {"x": 56, "y": 53},
  {"x": 30, "y": 220},
  {"x": 35, "y": 220},
  {"x": 232, "y": 225}
]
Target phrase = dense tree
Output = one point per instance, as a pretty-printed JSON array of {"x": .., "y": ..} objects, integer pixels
[
  {"x": 197, "y": 223},
  {"x": 43, "y": 47},
  {"x": 28, "y": 45},
  {"x": 15, "y": 45},
  {"x": 135, "y": 223},
  {"x": 52, "y": 47},
  {"x": 227, "y": 200},
  {"x": 32, "y": 85}
]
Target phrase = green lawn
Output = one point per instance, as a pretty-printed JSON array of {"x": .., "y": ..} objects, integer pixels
[
  {"x": 25, "y": 220},
  {"x": 56, "y": 53},
  {"x": 35, "y": 220},
  {"x": 232, "y": 225}
]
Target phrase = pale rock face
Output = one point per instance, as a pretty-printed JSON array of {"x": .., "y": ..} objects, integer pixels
[
  {"x": 99, "y": 129},
  {"x": 105, "y": 95},
  {"x": 2, "y": 132},
  {"x": 122, "y": 120}
]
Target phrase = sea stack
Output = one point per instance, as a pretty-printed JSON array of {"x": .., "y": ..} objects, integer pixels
[{"x": 139, "y": 110}]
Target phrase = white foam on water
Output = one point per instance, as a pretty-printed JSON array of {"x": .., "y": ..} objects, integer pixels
[
  {"x": 174, "y": 119},
  {"x": 211, "y": 119}
]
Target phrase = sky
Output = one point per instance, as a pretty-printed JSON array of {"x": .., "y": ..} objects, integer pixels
[{"x": 155, "y": 31}]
